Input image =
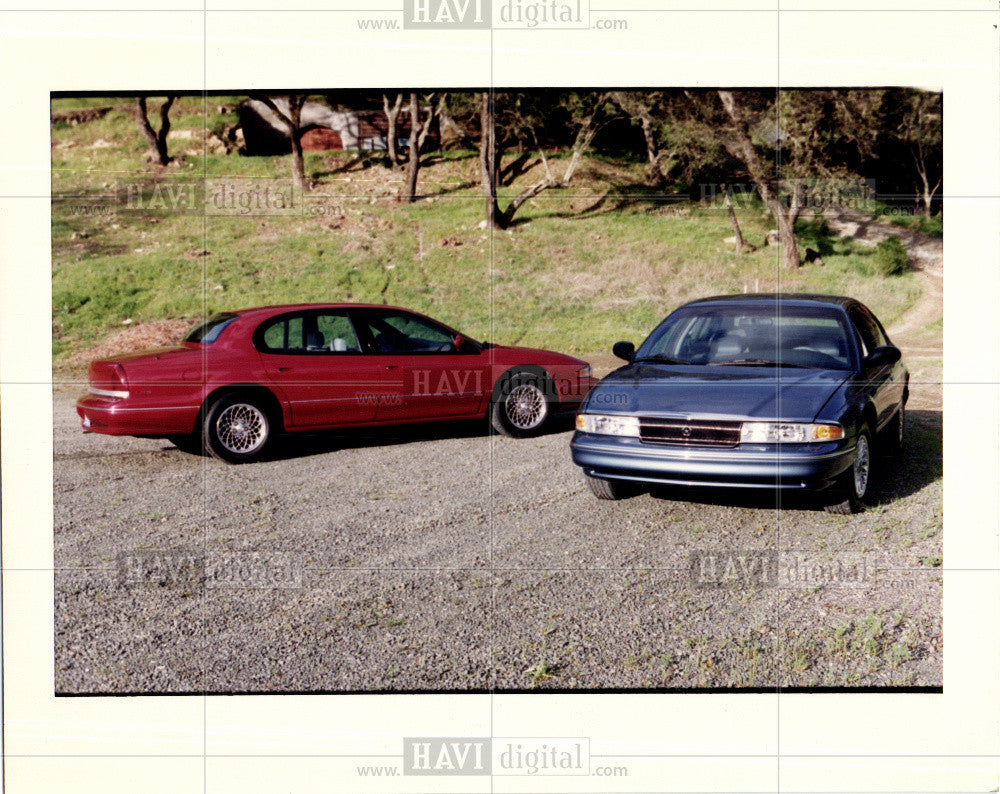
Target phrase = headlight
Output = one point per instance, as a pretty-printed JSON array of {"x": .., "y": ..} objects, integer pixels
[
  {"x": 788, "y": 433},
  {"x": 584, "y": 372},
  {"x": 608, "y": 425}
]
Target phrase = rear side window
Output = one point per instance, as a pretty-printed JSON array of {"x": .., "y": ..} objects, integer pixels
[
  {"x": 209, "y": 331},
  {"x": 308, "y": 332},
  {"x": 284, "y": 335}
]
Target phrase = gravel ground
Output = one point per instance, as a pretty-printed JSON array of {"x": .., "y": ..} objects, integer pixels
[{"x": 442, "y": 558}]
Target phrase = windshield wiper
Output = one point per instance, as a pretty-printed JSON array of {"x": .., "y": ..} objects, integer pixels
[
  {"x": 659, "y": 358},
  {"x": 756, "y": 362}
]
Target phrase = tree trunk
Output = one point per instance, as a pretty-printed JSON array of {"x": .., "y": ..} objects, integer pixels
[
  {"x": 489, "y": 166},
  {"x": 927, "y": 195},
  {"x": 157, "y": 140},
  {"x": 583, "y": 140},
  {"x": 293, "y": 122},
  {"x": 414, "y": 164},
  {"x": 797, "y": 202},
  {"x": 391, "y": 114},
  {"x": 732, "y": 219},
  {"x": 786, "y": 235},
  {"x": 295, "y": 133},
  {"x": 742, "y": 147},
  {"x": 432, "y": 111},
  {"x": 450, "y": 129},
  {"x": 487, "y": 162}
]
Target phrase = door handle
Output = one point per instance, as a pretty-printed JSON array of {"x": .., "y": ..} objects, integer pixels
[
  {"x": 392, "y": 366},
  {"x": 283, "y": 369}
]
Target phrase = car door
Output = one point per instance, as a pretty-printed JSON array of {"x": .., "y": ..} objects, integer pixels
[
  {"x": 314, "y": 359},
  {"x": 439, "y": 381},
  {"x": 885, "y": 384}
]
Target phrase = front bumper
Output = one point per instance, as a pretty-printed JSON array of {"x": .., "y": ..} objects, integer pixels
[
  {"x": 805, "y": 467},
  {"x": 117, "y": 417}
]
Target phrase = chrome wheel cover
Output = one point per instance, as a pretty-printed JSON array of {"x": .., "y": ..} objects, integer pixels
[
  {"x": 241, "y": 428},
  {"x": 525, "y": 406},
  {"x": 862, "y": 465}
]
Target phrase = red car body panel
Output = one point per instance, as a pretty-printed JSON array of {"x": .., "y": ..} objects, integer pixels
[{"x": 161, "y": 392}]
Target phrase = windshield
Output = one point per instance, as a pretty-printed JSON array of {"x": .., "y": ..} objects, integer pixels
[
  {"x": 209, "y": 331},
  {"x": 759, "y": 334}
]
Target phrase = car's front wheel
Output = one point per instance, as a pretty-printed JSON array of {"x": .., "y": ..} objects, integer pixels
[
  {"x": 895, "y": 432},
  {"x": 609, "y": 489},
  {"x": 521, "y": 406},
  {"x": 856, "y": 481},
  {"x": 236, "y": 429}
]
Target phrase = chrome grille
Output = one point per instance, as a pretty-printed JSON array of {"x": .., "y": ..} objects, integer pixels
[{"x": 690, "y": 432}]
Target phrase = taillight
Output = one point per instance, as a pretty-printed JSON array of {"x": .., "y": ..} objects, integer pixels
[
  {"x": 108, "y": 380},
  {"x": 120, "y": 374}
]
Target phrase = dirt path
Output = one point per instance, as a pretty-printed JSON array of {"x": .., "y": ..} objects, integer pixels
[{"x": 926, "y": 258}]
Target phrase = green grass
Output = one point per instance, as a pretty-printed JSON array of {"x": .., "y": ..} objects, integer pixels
[
  {"x": 582, "y": 267},
  {"x": 541, "y": 673},
  {"x": 933, "y": 227},
  {"x": 891, "y": 258}
]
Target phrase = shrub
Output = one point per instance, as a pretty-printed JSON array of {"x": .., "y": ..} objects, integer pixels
[{"x": 891, "y": 258}]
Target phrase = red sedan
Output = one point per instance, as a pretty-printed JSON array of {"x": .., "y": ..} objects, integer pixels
[{"x": 243, "y": 376}]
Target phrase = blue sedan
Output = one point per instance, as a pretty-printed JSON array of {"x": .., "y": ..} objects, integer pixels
[{"x": 778, "y": 391}]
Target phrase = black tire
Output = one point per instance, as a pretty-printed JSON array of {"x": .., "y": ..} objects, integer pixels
[
  {"x": 237, "y": 429},
  {"x": 521, "y": 407},
  {"x": 609, "y": 489},
  {"x": 191, "y": 443},
  {"x": 896, "y": 431},
  {"x": 855, "y": 483}
]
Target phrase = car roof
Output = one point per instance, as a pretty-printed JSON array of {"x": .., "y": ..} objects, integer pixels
[
  {"x": 292, "y": 307},
  {"x": 791, "y": 298}
]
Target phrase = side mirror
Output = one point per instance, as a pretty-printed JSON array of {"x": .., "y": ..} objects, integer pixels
[
  {"x": 884, "y": 356},
  {"x": 624, "y": 350},
  {"x": 461, "y": 344}
]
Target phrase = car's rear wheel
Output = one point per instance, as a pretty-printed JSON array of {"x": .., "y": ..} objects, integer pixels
[
  {"x": 609, "y": 489},
  {"x": 236, "y": 429},
  {"x": 521, "y": 406},
  {"x": 855, "y": 483}
]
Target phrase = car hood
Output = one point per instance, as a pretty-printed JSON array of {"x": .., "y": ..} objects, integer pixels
[
  {"x": 736, "y": 392},
  {"x": 507, "y": 355}
]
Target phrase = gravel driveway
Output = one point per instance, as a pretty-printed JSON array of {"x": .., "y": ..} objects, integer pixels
[{"x": 446, "y": 559}]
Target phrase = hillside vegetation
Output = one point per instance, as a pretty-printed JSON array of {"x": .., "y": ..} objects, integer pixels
[{"x": 582, "y": 267}]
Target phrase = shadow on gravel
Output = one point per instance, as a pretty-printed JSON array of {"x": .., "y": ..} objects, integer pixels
[
  {"x": 301, "y": 445},
  {"x": 921, "y": 465}
]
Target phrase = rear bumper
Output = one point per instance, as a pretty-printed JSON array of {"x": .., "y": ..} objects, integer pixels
[
  {"x": 116, "y": 417},
  {"x": 764, "y": 466}
]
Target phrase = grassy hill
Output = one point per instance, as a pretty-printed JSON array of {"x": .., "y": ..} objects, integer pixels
[{"x": 602, "y": 260}]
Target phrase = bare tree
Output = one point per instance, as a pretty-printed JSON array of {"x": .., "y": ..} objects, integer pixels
[
  {"x": 741, "y": 146},
  {"x": 413, "y": 167},
  {"x": 451, "y": 130},
  {"x": 157, "y": 139},
  {"x": 921, "y": 130},
  {"x": 433, "y": 108},
  {"x": 641, "y": 106},
  {"x": 488, "y": 160},
  {"x": 391, "y": 114},
  {"x": 587, "y": 121},
  {"x": 734, "y": 222},
  {"x": 289, "y": 110}
]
